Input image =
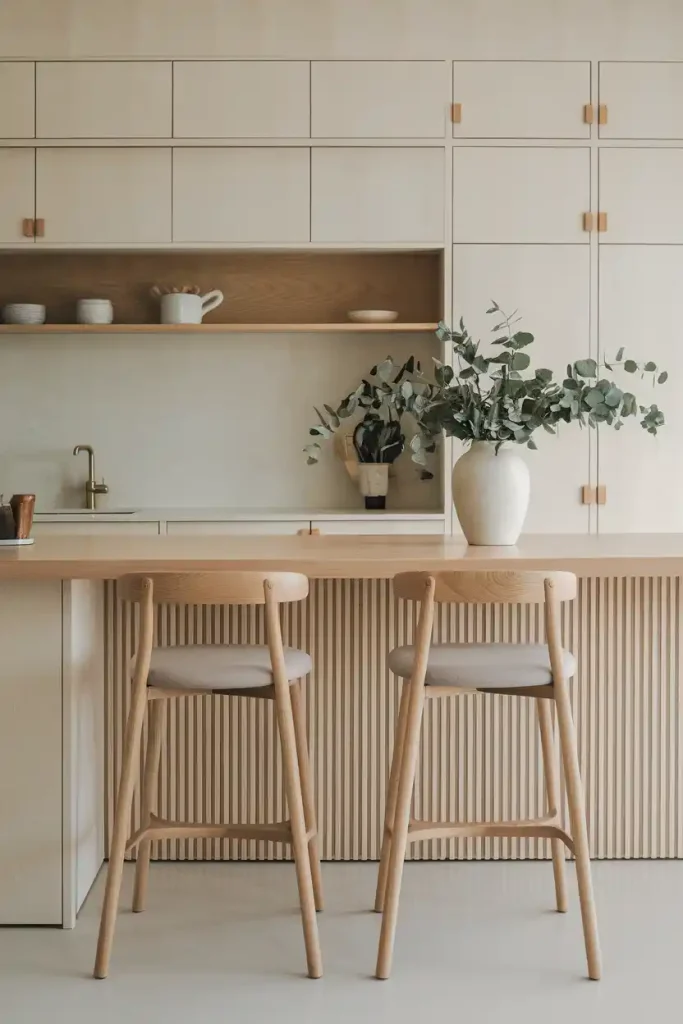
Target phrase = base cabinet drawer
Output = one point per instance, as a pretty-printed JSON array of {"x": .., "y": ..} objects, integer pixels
[
  {"x": 378, "y": 527},
  {"x": 95, "y": 529},
  {"x": 267, "y": 528}
]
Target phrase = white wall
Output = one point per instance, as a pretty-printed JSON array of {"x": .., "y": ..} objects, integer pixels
[
  {"x": 217, "y": 420},
  {"x": 476, "y": 29}
]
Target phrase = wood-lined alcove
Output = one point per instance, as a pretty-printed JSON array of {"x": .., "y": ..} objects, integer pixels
[{"x": 259, "y": 287}]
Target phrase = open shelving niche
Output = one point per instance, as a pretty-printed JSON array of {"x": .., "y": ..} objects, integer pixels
[{"x": 266, "y": 292}]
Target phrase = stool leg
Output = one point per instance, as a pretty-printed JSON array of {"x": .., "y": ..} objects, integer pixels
[
  {"x": 577, "y": 813},
  {"x": 399, "y": 839},
  {"x": 299, "y": 716},
  {"x": 545, "y": 722},
  {"x": 124, "y": 800},
  {"x": 392, "y": 794},
  {"x": 156, "y": 716}
]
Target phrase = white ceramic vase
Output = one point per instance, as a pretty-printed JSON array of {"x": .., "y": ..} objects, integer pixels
[{"x": 491, "y": 494}]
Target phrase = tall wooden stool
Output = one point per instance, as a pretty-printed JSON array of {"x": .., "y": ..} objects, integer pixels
[
  {"x": 538, "y": 671},
  {"x": 166, "y": 673}
]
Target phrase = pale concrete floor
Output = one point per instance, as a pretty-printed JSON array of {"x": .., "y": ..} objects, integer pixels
[{"x": 477, "y": 942}]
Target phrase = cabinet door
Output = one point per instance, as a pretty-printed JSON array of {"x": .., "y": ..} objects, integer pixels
[
  {"x": 377, "y": 195},
  {"x": 266, "y": 528},
  {"x": 91, "y": 529},
  {"x": 241, "y": 195},
  {"x": 104, "y": 196},
  {"x": 241, "y": 99},
  {"x": 17, "y": 194},
  {"x": 640, "y": 191},
  {"x": 643, "y": 100},
  {"x": 103, "y": 99},
  {"x": 380, "y": 99},
  {"x": 520, "y": 194},
  {"x": 640, "y": 287},
  {"x": 17, "y": 100},
  {"x": 380, "y": 527},
  {"x": 522, "y": 99},
  {"x": 549, "y": 285}
]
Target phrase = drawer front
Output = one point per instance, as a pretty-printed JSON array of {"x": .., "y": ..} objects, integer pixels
[
  {"x": 95, "y": 529},
  {"x": 103, "y": 99},
  {"x": 378, "y": 527},
  {"x": 380, "y": 99},
  {"x": 17, "y": 100},
  {"x": 228, "y": 99},
  {"x": 267, "y": 528}
]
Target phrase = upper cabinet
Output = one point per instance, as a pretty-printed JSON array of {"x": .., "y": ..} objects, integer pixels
[
  {"x": 241, "y": 99},
  {"x": 241, "y": 194},
  {"x": 104, "y": 196},
  {"x": 381, "y": 99},
  {"x": 103, "y": 99},
  {"x": 17, "y": 100},
  {"x": 512, "y": 99},
  {"x": 17, "y": 195},
  {"x": 383, "y": 195},
  {"x": 640, "y": 195},
  {"x": 520, "y": 194},
  {"x": 642, "y": 100}
]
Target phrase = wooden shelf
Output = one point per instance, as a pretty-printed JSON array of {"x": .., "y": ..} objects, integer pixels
[{"x": 210, "y": 328}]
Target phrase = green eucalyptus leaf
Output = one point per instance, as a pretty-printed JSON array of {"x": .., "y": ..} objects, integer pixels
[
  {"x": 520, "y": 361},
  {"x": 630, "y": 366},
  {"x": 613, "y": 397},
  {"x": 620, "y": 355},
  {"x": 586, "y": 368},
  {"x": 663, "y": 377},
  {"x": 650, "y": 367}
]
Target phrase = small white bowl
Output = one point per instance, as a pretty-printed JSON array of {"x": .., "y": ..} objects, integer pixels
[
  {"x": 24, "y": 313},
  {"x": 372, "y": 316}
]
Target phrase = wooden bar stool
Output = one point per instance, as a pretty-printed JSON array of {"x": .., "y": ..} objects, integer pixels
[
  {"x": 166, "y": 673},
  {"x": 523, "y": 670}
]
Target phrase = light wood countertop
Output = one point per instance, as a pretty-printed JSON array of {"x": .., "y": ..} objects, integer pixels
[{"x": 327, "y": 557}]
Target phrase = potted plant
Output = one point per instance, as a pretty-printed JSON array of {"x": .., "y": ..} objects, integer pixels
[
  {"x": 491, "y": 404},
  {"x": 383, "y": 399}
]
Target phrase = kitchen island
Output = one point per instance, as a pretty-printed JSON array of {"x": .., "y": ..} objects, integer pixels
[{"x": 66, "y": 640}]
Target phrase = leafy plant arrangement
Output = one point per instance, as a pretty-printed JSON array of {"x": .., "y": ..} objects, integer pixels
[
  {"x": 487, "y": 398},
  {"x": 389, "y": 392}
]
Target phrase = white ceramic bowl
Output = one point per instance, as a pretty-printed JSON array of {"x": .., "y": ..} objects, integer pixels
[
  {"x": 94, "y": 311},
  {"x": 372, "y": 316},
  {"x": 24, "y": 313}
]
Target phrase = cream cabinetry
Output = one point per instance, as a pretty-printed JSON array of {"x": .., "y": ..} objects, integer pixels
[
  {"x": 241, "y": 99},
  {"x": 520, "y": 194},
  {"x": 17, "y": 194},
  {"x": 371, "y": 194},
  {"x": 104, "y": 196},
  {"x": 103, "y": 99},
  {"x": 381, "y": 99},
  {"x": 643, "y": 99},
  {"x": 640, "y": 287},
  {"x": 258, "y": 194},
  {"x": 266, "y": 528},
  {"x": 94, "y": 529},
  {"x": 521, "y": 99},
  {"x": 550, "y": 286},
  {"x": 17, "y": 100},
  {"x": 379, "y": 527},
  {"x": 640, "y": 192}
]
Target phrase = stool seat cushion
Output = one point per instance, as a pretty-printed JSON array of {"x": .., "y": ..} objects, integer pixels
[
  {"x": 220, "y": 667},
  {"x": 480, "y": 666}
]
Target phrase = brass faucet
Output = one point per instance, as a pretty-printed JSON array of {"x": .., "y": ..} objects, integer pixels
[{"x": 91, "y": 487}]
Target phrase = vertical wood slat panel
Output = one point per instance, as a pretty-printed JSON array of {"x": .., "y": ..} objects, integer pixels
[{"x": 480, "y": 756}]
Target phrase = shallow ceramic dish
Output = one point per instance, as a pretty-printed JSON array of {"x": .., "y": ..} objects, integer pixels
[
  {"x": 372, "y": 316},
  {"x": 24, "y": 313}
]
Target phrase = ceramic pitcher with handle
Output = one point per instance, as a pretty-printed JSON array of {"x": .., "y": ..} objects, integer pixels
[{"x": 182, "y": 308}]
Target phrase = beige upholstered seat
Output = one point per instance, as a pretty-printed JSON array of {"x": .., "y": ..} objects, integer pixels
[
  {"x": 478, "y": 666},
  {"x": 220, "y": 667}
]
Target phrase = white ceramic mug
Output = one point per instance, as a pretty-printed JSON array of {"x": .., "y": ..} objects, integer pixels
[
  {"x": 182, "y": 308},
  {"x": 94, "y": 311}
]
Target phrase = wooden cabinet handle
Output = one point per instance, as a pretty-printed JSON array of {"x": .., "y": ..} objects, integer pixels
[
  {"x": 602, "y": 222},
  {"x": 456, "y": 113},
  {"x": 40, "y": 228},
  {"x": 588, "y": 113},
  {"x": 27, "y": 228},
  {"x": 602, "y": 113},
  {"x": 588, "y": 222}
]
